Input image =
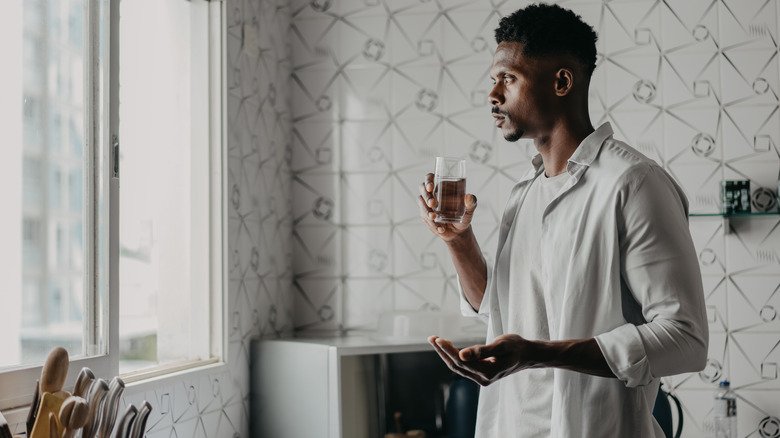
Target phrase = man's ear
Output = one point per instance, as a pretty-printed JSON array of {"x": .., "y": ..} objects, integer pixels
[{"x": 564, "y": 81}]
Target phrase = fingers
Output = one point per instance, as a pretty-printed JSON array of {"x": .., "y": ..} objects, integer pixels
[
  {"x": 427, "y": 215},
  {"x": 426, "y": 191},
  {"x": 424, "y": 209},
  {"x": 452, "y": 363},
  {"x": 429, "y": 182},
  {"x": 471, "y": 203},
  {"x": 471, "y": 206},
  {"x": 479, "y": 352}
]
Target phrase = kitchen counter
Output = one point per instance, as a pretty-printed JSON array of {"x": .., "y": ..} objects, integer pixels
[{"x": 368, "y": 343}]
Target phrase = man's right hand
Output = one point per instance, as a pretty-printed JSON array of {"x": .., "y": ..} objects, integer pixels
[
  {"x": 446, "y": 231},
  {"x": 461, "y": 242}
]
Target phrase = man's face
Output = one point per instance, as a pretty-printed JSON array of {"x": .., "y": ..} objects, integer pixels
[{"x": 522, "y": 94}]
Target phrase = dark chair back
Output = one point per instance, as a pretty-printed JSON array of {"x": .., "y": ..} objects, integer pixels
[{"x": 662, "y": 411}]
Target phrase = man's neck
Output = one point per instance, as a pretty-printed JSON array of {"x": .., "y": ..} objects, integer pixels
[{"x": 559, "y": 143}]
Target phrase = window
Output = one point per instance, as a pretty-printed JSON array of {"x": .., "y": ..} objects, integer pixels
[
  {"x": 125, "y": 278},
  {"x": 164, "y": 192}
]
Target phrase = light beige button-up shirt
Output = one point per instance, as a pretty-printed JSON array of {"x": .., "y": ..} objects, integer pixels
[{"x": 619, "y": 265}]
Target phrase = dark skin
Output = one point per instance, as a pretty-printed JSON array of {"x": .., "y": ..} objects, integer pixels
[{"x": 544, "y": 99}]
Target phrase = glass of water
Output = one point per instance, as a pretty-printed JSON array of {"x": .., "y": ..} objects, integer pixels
[{"x": 449, "y": 189}]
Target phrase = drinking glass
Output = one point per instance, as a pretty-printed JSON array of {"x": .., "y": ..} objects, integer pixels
[{"x": 449, "y": 189}]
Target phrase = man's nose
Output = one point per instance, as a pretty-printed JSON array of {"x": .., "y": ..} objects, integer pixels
[{"x": 495, "y": 97}]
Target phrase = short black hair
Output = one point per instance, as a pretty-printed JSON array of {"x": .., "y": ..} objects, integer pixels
[{"x": 545, "y": 29}]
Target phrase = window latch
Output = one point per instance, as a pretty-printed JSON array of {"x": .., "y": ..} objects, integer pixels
[{"x": 115, "y": 154}]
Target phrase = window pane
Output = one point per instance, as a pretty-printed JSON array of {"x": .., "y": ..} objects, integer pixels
[
  {"x": 43, "y": 180},
  {"x": 163, "y": 205}
]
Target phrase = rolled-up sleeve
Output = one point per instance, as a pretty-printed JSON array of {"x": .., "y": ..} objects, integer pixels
[
  {"x": 483, "y": 312},
  {"x": 660, "y": 269}
]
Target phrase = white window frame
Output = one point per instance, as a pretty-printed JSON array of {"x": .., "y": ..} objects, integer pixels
[{"x": 101, "y": 135}]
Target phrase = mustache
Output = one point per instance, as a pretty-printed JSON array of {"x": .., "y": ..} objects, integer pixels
[{"x": 495, "y": 110}]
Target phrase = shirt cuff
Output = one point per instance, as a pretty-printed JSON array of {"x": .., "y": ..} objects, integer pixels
[
  {"x": 465, "y": 307},
  {"x": 625, "y": 354}
]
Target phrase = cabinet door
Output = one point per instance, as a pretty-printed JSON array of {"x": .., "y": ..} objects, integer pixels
[{"x": 290, "y": 386}]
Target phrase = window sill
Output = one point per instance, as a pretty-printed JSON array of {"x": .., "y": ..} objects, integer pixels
[
  {"x": 142, "y": 380},
  {"x": 171, "y": 370}
]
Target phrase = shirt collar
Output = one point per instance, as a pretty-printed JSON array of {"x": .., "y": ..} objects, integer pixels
[{"x": 584, "y": 154}]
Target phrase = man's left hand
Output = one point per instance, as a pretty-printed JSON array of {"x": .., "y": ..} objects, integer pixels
[{"x": 485, "y": 364}]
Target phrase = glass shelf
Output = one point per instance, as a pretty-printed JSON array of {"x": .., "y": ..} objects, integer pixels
[
  {"x": 727, "y": 216},
  {"x": 744, "y": 214}
]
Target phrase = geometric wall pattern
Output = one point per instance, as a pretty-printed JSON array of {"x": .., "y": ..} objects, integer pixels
[{"x": 379, "y": 87}]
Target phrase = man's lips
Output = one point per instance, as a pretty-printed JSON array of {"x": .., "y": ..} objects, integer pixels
[{"x": 499, "y": 119}]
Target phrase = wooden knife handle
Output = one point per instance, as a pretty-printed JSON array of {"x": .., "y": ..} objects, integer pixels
[{"x": 55, "y": 370}]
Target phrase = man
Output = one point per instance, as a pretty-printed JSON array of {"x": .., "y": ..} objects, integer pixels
[{"x": 596, "y": 291}]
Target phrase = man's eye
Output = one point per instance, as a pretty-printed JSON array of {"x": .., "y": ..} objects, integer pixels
[{"x": 507, "y": 80}]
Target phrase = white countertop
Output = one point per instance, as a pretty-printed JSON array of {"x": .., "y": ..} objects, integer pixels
[{"x": 371, "y": 343}]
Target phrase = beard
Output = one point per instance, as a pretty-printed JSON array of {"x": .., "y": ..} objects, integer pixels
[{"x": 513, "y": 136}]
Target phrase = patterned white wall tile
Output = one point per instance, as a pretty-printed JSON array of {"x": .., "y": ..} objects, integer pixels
[
  {"x": 717, "y": 367},
  {"x": 368, "y": 251},
  {"x": 754, "y": 303},
  {"x": 365, "y": 93},
  {"x": 759, "y": 413},
  {"x": 314, "y": 197},
  {"x": 418, "y": 92},
  {"x": 707, "y": 235},
  {"x": 643, "y": 129},
  {"x": 310, "y": 41},
  {"x": 625, "y": 28},
  {"x": 315, "y": 303},
  {"x": 689, "y": 24},
  {"x": 697, "y": 404},
  {"x": 752, "y": 247},
  {"x": 467, "y": 85},
  {"x": 367, "y": 198},
  {"x": 416, "y": 141},
  {"x": 364, "y": 41},
  {"x": 701, "y": 183},
  {"x": 406, "y": 189},
  {"x": 364, "y": 301},
  {"x": 418, "y": 253},
  {"x": 317, "y": 250},
  {"x": 754, "y": 359},
  {"x": 413, "y": 38},
  {"x": 434, "y": 294},
  {"x": 314, "y": 91},
  {"x": 314, "y": 147},
  {"x": 751, "y": 22},
  {"x": 717, "y": 304},
  {"x": 367, "y": 146},
  {"x": 691, "y": 78}
]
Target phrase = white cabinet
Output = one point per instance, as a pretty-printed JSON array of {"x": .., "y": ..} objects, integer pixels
[{"x": 324, "y": 387}]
